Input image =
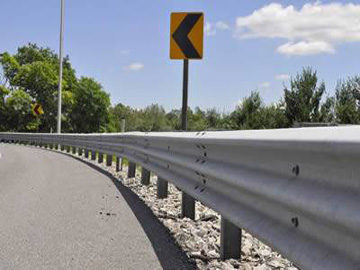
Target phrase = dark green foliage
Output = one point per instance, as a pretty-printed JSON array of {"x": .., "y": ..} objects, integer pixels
[
  {"x": 91, "y": 107},
  {"x": 247, "y": 114},
  {"x": 251, "y": 113},
  {"x": 327, "y": 113},
  {"x": 347, "y": 101},
  {"x": 302, "y": 100},
  {"x": 31, "y": 75}
]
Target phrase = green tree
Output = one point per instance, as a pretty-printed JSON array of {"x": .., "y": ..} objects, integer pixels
[
  {"x": 4, "y": 92},
  {"x": 18, "y": 112},
  {"x": 347, "y": 101},
  {"x": 133, "y": 118},
  {"x": 173, "y": 118},
  {"x": 302, "y": 100},
  {"x": 213, "y": 119},
  {"x": 196, "y": 120},
  {"x": 91, "y": 107},
  {"x": 327, "y": 111},
  {"x": 154, "y": 119},
  {"x": 39, "y": 80},
  {"x": 273, "y": 116},
  {"x": 34, "y": 70},
  {"x": 247, "y": 114}
]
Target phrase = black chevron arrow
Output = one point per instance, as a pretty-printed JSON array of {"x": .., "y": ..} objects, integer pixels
[
  {"x": 181, "y": 35},
  {"x": 36, "y": 110}
]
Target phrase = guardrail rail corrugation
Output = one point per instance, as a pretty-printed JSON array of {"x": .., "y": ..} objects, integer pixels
[{"x": 297, "y": 190}]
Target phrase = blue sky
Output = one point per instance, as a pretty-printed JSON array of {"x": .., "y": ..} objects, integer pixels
[{"x": 125, "y": 45}]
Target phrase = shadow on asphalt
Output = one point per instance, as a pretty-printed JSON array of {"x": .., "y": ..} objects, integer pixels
[{"x": 166, "y": 249}]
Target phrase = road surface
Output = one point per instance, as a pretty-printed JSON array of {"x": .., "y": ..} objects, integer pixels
[{"x": 57, "y": 212}]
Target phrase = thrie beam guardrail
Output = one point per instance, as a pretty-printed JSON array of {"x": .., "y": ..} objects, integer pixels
[{"x": 297, "y": 190}]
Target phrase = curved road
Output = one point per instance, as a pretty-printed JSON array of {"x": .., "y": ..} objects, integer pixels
[{"x": 57, "y": 212}]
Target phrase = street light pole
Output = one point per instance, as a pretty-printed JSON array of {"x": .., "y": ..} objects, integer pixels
[{"x": 61, "y": 65}]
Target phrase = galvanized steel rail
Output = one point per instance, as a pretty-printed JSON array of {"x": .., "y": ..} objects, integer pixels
[{"x": 297, "y": 190}]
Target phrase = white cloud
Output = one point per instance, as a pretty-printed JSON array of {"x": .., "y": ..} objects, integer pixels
[
  {"x": 222, "y": 26},
  {"x": 264, "y": 85},
  {"x": 212, "y": 28},
  {"x": 313, "y": 29},
  {"x": 282, "y": 77},
  {"x": 306, "y": 48},
  {"x": 135, "y": 67}
]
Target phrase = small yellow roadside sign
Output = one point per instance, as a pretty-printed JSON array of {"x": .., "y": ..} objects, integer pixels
[{"x": 37, "y": 109}]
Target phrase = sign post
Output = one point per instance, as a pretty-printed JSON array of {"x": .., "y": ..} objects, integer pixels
[
  {"x": 185, "y": 95},
  {"x": 186, "y": 42}
]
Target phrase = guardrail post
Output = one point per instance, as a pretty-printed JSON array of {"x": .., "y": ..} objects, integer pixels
[
  {"x": 118, "y": 164},
  {"x": 101, "y": 157},
  {"x": 80, "y": 151},
  {"x": 109, "y": 159},
  {"x": 230, "y": 240},
  {"x": 131, "y": 169},
  {"x": 145, "y": 177},
  {"x": 162, "y": 188},
  {"x": 86, "y": 153},
  {"x": 73, "y": 149},
  {"x": 93, "y": 155},
  {"x": 187, "y": 206}
]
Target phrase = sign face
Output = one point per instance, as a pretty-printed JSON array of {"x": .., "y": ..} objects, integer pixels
[
  {"x": 187, "y": 34},
  {"x": 37, "y": 109}
]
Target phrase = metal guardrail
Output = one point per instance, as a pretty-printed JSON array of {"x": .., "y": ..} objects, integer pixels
[{"x": 297, "y": 190}]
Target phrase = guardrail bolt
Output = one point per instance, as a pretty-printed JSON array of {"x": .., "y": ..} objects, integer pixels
[
  {"x": 162, "y": 188},
  {"x": 101, "y": 157},
  {"x": 145, "y": 177},
  {"x": 187, "y": 206},
  {"x": 295, "y": 222},
  {"x": 296, "y": 170},
  {"x": 230, "y": 240},
  {"x": 109, "y": 159},
  {"x": 131, "y": 169}
]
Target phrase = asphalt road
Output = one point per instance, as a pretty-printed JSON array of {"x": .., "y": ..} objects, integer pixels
[{"x": 57, "y": 212}]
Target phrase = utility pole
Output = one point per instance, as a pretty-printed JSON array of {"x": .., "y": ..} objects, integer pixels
[{"x": 61, "y": 65}]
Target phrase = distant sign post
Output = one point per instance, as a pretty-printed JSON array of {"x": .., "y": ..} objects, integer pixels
[{"x": 186, "y": 42}]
